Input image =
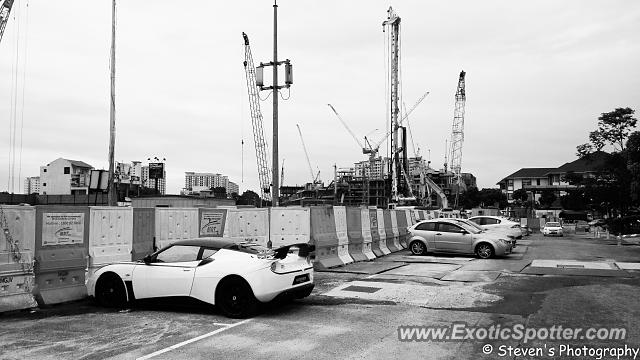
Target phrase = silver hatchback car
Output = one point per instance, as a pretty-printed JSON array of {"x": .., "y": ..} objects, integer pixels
[{"x": 448, "y": 236}]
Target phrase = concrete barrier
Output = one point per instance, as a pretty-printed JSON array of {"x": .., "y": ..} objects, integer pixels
[
  {"x": 404, "y": 218},
  {"x": 290, "y": 225},
  {"x": 340, "y": 216},
  {"x": 354, "y": 233},
  {"x": 395, "y": 214},
  {"x": 367, "y": 239},
  {"x": 391, "y": 235},
  {"x": 325, "y": 237},
  {"x": 61, "y": 250},
  {"x": 248, "y": 225},
  {"x": 110, "y": 236},
  {"x": 17, "y": 242},
  {"x": 174, "y": 224},
  {"x": 382, "y": 232},
  {"x": 144, "y": 228}
]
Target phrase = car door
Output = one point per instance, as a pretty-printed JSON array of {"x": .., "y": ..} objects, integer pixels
[
  {"x": 169, "y": 273},
  {"x": 450, "y": 237},
  {"x": 426, "y": 230}
]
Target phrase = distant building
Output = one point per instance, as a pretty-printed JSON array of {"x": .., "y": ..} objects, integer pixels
[
  {"x": 151, "y": 183},
  {"x": 380, "y": 168},
  {"x": 63, "y": 176},
  {"x": 536, "y": 180},
  {"x": 198, "y": 182},
  {"x": 233, "y": 188},
  {"x": 32, "y": 185}
]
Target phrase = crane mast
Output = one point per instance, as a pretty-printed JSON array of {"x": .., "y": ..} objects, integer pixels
[
  {"x": 457, "y": 135},
  {"x": 5, "y": 10},
  {"x": 256, "y": 122},
  {"x": 397, "y": 167}
]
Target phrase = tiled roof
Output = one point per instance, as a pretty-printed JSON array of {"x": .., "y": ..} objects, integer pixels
[
  {"x": 591, "y": 162},
  {"x": 79, "y": 163},
  {"x": 529, "y": 173}
]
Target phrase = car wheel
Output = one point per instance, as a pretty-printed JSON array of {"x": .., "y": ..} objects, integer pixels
[
  {"x": 418, "y": 248},
  {"x": 110, "y": 291},
  {"x": 235, "y": 298},
  {"x": 485, "y": 251}
]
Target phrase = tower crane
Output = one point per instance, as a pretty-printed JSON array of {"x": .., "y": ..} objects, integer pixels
[
  {"x": 457, "y": 135},
  {"x": 314, "y": 178},
  {"x": 256, "y": 122},
  {"x": 5, "y": 10},
  {"x": 372, "y": 150}
]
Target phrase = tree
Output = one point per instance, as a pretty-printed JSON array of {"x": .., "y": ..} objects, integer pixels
[
  {"x": 613, "y": 128},
  {"x": 520, "y": 195},
  {"x": 249, "y": 198},
  {"x": 492, "y": 197},
  {"x": 219, "y": 192},
  {"x": 547, "y": 197},
  {"x": 572, "y": 178}
]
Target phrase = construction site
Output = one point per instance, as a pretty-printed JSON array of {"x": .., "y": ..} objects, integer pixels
[{"x": 404, "y": 178}]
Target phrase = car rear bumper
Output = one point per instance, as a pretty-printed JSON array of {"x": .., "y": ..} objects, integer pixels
[{"x": 266, "y": 285}]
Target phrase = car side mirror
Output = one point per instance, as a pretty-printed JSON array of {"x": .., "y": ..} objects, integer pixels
[
  {"x": 205, "y": 261},
  {"x": 147, "y": 259}
]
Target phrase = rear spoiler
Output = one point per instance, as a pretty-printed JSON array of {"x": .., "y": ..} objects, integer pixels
[{"x": 304, "y": 250}]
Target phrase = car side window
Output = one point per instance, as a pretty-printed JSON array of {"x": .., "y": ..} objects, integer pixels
[
  {"x": 178, "y": 253},
  {"x": 208, "y": 252},
  {"x": 429, "y": 226},
  {"x": 477, "y": 221},
  {"x": 450, "y": 228},
  {"x": 490, "y": 221}
]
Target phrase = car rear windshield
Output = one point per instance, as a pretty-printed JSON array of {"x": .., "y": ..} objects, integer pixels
[{"x": 553, "y": 224}]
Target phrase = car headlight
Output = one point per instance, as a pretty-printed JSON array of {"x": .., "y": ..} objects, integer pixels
[{"x": 505, "y": 242}]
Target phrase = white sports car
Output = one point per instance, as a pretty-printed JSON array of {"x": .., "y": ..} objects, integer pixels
[{"x": 235, "y": 277}]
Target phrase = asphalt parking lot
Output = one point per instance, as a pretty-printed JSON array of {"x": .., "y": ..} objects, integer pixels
[{"x": 355, "y": 311}]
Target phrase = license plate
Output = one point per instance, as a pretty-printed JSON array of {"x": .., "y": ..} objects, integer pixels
[{"x": 300, "y": 279}]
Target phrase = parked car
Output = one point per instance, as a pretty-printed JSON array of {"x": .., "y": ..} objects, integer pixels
[
  {"x": 452, "y": 236},
  {"x": 598, "y": 222},
  {"x": 498, "y": 231},
  {"x": 512, "y": 228},
  {"x": 235, "y": 277},
  {"x": 552, "y": 229}
]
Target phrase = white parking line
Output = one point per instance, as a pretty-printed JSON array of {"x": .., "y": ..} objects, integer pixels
[{"x": 173, "y": 347}]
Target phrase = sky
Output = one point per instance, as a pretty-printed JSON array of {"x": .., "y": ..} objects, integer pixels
[{"x": 538, "y": 76}]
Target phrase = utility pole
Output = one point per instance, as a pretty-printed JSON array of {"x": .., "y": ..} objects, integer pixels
[
  {"x": 275, "y": 187},
  {"x": 111, "y": 195}
]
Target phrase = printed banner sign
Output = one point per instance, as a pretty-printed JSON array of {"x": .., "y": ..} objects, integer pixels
[
  {"x": 212, "y": 222},
  {"x": 62, "y": 228}
]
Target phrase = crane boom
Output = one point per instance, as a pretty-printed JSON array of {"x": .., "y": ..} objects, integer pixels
[
  {"x": 5, "y": 10},
  {"x": 406, "y": 115},
  {"x": 256, "y": 122},
  {"x": 348, "y": 129},
  {"x": 313, "y": 178}
]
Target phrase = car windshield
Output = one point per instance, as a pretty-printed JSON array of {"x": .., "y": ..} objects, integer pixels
[
  {"x": 469, "y": 228},
  {"x": 553, "y": 224},
  {"x": 473, "y": 225}
]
